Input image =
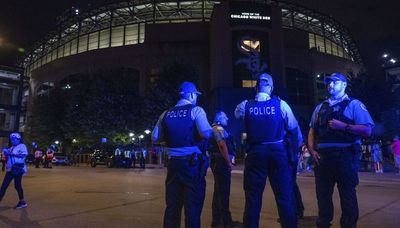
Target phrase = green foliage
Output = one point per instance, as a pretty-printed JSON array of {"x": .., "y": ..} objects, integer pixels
[{"x": 101, "y": 105}]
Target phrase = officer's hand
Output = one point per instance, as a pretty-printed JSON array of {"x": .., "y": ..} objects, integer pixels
[
  {"x": 315, "y": 156},
  {"x": 337, "y": 124}
]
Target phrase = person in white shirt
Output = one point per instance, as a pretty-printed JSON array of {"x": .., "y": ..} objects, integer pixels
[{"x": 16, "y": 168}]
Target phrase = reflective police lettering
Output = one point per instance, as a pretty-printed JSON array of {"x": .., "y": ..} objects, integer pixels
[
  {"x": 177, "y": 114},
  {"x": 262, "y": 111}
]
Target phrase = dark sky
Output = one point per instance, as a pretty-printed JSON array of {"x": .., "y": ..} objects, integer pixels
[{"x": 375, "y": 25}]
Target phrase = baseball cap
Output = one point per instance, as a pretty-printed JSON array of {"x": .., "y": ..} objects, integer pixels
[
  {"x": 188, "y": 87},
  {"x": 335, "y": 77},
  {"x": 266, "y": 77},
  {"x": 15, "y": 135}
]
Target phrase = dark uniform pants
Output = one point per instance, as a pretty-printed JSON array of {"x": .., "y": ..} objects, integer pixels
[
  {"x": 222, "y": 186},
  {"x": 338, "y": 167},
  {"x": 185, "y": 186},
  {"x": 271, "y": 161}
]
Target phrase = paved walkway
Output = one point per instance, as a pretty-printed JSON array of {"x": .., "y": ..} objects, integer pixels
[{"x": 103, "y": 197}]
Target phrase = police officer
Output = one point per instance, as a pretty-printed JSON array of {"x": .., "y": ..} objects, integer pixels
[
  {"x": 268, "y": 120},
  {"x": 180, "y": 128},
  {"x": 336, "y": 127},
  {"x": 221, "y": 166}
]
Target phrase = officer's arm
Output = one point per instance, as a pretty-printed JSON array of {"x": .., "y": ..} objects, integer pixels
[
  {"x": 218, "y": 133},
  {"x": 200, "y": 118},
  {"x": 359, "y": 129},
  {"x": 224, "y": 152},
  {"x": 157, "y": 136},
  {"x": 362, "y": 119},
  {"x": 240, "y": 109},
  {"x": 311, "y": 144}
]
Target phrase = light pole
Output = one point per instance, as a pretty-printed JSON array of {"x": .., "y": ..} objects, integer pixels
[{"x": 59, "y": 142}]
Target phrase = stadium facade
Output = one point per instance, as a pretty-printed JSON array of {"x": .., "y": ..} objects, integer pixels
[{"x": 228, "y": 42}]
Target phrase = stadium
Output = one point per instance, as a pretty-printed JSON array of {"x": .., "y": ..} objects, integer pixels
[{"x": 228, "y": 42}]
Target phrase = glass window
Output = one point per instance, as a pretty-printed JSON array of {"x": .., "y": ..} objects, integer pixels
[
  {"x": 74, "y": 46},
  {"x": 48, "y": 57},
  {"x": 7, "y": 120},
  {"x": 60, "y": 52},
  {"x": 83, "y": 45},
  {"x": 142, "y": 33},
  {"x": 117, "y": 36},
  {"x": 311, "y": 40},
  {"x": 104, "y": 38},
  {"x": 54, "y": 55},
  {"x": 93, "y": 40},
  {"x": 320, "y": 43},
  {"x": 8, "y": 94},
  {"x": 328, "y": 45},
  {"x": 131, "y": 34},
  {"x": 334, "y": 49},
  {"x": 67, "y": 49},
  {"x": 340, "y": 51}
]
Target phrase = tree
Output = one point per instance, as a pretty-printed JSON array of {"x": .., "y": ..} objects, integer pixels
[
  {"x": 163, "y": 94},
  {"x": 105, "y": 104}
]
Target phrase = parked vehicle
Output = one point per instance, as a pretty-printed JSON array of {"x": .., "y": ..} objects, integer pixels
[
  {"x": 102, "y": 155},
  {"x": 60, "y": 159}
]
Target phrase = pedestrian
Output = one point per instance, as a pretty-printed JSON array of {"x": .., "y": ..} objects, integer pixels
[
  {"x": 396, "y": 152},
  {"x": 16, "y": 168},
  {"x": 268, "y": 120},
  {"x": 49, "y": 156},
  {"x": 38, "y": 157},
  {"x": 334, "y": 141},
  {"x": 306, "y": 158},
  {"x": 3, "y": 161},
  {"x": 143, "y": 155},
  {"x": 221, "y": 166},
  {"x": 377, "y": 157},
  {"x": 180, "y": 128}
]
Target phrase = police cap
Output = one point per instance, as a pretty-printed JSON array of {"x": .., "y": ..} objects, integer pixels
[
  {"x": 188, "y": 87},
  {"x": 335, "y": 77},
  {"x": 266, "y": 77}
]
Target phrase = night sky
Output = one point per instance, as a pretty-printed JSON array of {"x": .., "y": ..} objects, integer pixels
[{"x": 375, "y": 25}]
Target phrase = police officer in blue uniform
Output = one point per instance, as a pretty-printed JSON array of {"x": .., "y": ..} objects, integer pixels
[
  {"x": 221, "y": 166},
  {"x": 334, "y": 140},
  {"x": 268, "y": 120},
  {"x": 180, "y": 128}
]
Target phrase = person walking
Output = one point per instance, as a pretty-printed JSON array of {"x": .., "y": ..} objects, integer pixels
[
  {"x": 38, "y": 157},
  {"x": 377, "y": 157},
  {"x": 16, "y": 168},
  {"x": 334, "y": 141},
  {"x": 268, "y": 120},
  {"x": 396, "y": 152},
  {"x": 221, "y": 166},
  {"x": 181, "y": 128},
  {"x": 3, "y": 161}
]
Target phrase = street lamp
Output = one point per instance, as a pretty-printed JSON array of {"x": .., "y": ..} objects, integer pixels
[
  {"x": 147, "y": 131},
  {"x": 59, "y": 142},
  {"x": 131, "y": 134}
]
